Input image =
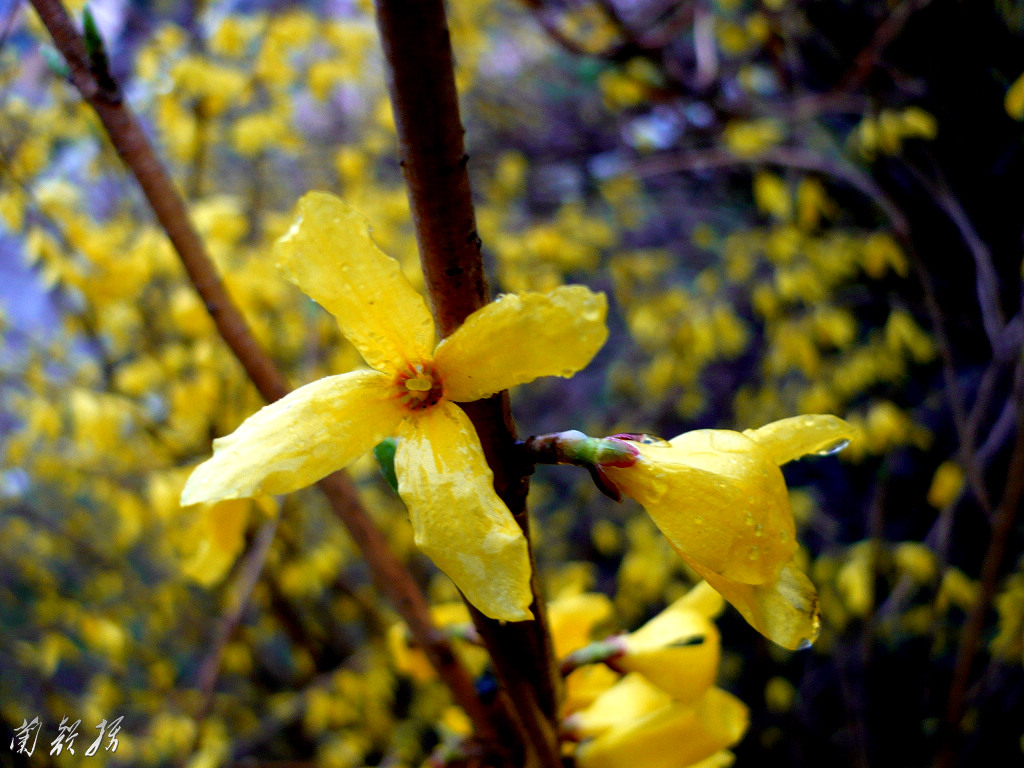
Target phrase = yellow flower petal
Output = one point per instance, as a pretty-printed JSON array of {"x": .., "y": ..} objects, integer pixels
[
  {"x": 1013, "y": 102},
  {"x": 329, "y": 254},
  {"x": 457, "y": 518},
  {"x": 675, "y": 736},
  {"x": 584, "y": 685},
  {"x": 519, "y": 338},
  {"x": 685, "y": 667},
  {"x": 301, "y": 438},
  {"x": 718, "y": 500},
  {"x": 218, "y": 537},
  {"x": 573, "y": 617},
  {"x": 785, "y": 611},
  {"x": 678, "y": 650},
  {"x": 798, "y": 436},
  {"x": 630, "y": 698}
]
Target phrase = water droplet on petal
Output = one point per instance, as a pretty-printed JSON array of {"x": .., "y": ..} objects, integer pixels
[
  {"x": 804, "y": 644},
  {"x": 834, "y": 448}
]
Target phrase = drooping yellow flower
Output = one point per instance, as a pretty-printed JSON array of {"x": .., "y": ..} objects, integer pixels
[
  {"x": 443, "y": 478},
  {"x": 675, "y": 735},
  {"x": 679, "y": 649},
  {"x": 720, "y": 499}
]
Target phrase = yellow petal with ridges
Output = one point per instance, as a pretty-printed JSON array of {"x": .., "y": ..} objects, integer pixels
[
  {"x": 519, "y": 338},
  {"x": 676, "y": 736},
  {"x": 718, "y": 500},
  {"x": 287, "y": 445},
  {"x": 785, "y": 611},
  {"x": 329, "y": 254},
  {"x": 457, "y": 518},
  {"x": 791, "y": 438}
]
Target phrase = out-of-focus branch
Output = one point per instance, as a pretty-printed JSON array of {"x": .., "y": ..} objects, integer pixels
[
  {"x": 970, "y": 638},
  {"x": 887, "y": 31},
  {"x": 705, "y": 160},
  {"x": 133, "y": 146},
  {"x": 549, "y": 23},
  {"x": 248, "y": 575},
  {"x": 131, "y": 143},
  {"x": 418, "y": 49},
  {"x": 987, "y": 282}
]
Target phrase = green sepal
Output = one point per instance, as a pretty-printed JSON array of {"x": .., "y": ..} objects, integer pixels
[{"x": 384, "y": 452}]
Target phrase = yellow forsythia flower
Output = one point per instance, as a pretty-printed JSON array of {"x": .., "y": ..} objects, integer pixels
[
  {"x": 946, "y": 484},
  {"x": 675, "y": 736},
  {"x": 679, "y": 649},
  {"x": 720, "y": 499},
  {"x": 1013, "y": 102},
  {"x": 772, "y": 195},
  {"x": 746, "y": 138},
  {"x": 632, "y": 697},
  {"x": 443, "y": 478},
  {"x": 573, "y": 617}
]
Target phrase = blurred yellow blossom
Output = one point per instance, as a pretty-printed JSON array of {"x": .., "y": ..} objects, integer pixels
[
  {"x": 946, "y": 484},
  {"x": 1013, "y": 102},
  {"x": 747, "y": 138}
]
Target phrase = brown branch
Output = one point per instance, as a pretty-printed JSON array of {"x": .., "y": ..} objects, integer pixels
[
  {"x": 704, "y": 160},
  {"x": 549, "y": 23},
  {"x": 244, "y": 584},
  {"x": 417, "y": 46},
  {"x": 986, "y": 279},
  {"x": 131, "y": 143},
  {"x": 970, "y": 638},
  {"x": 886, "y": 32}
]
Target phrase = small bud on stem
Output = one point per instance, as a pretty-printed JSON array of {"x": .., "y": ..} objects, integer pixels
[
  {"x": 592, "y": 453},
  {"x": 602, "y": 651},
  {"x": 574, "y": 447}
]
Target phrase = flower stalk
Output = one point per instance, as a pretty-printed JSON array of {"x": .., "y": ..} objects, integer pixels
[{"x": 574, "y": 447}]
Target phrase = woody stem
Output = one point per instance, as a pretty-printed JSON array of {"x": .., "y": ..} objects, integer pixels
[{"x": 418, "y": 49}]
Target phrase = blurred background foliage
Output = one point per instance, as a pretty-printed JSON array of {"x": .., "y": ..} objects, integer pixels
[{"x": 794, "y": 206}]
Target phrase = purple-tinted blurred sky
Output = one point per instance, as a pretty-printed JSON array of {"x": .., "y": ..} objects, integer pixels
[{"x": 24, "y": 301}]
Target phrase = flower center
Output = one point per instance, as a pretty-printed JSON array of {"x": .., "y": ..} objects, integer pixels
[{"x": 418, "y": 386}]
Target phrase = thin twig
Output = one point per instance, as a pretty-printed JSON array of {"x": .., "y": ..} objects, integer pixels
[
  {"x": 430, "y": 135},
  {"x": 134, "y": 148},
  {"x": 241, "y": 591},
  {"x": 970, "y": 637},
  {"x": 987, "y": 281},
  {"x": 887, "y": 31}
]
